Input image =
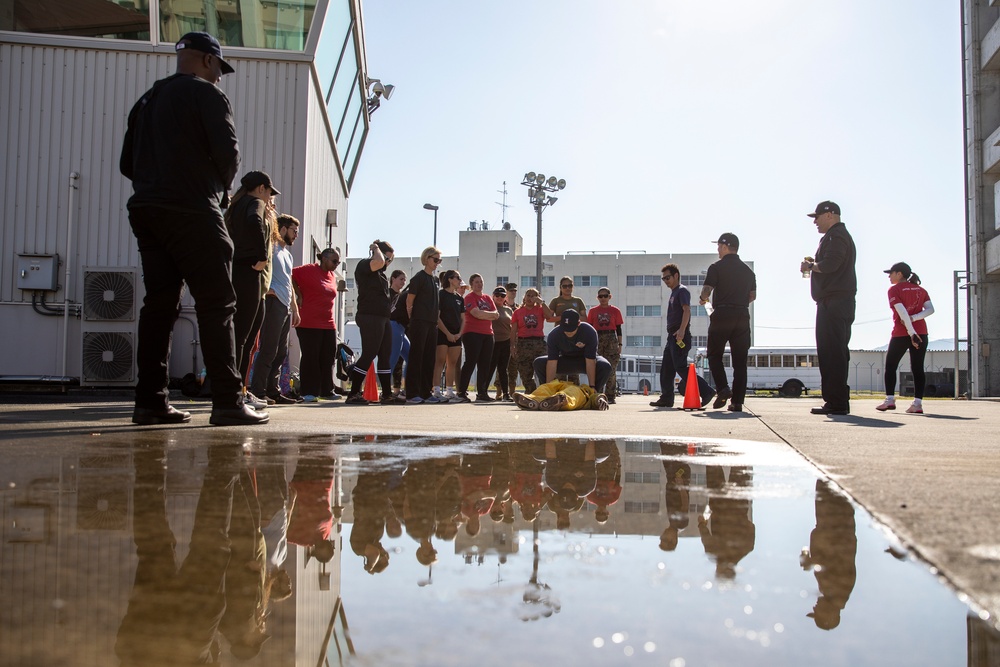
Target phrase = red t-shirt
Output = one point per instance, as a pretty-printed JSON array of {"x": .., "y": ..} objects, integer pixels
[
  {"x": 312, "y": 519},
  {"x": 483, "y": 302},
  {"x": 605, "y": 318},
  {"x": 319, "y": 289},
  {"x": 529, "y": 322},
  {"x": 913, "y": 297}
]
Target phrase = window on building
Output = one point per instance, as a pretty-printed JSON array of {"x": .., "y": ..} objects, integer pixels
[
  {"x": 350, "y": 283},
  {"x": 641, "y": 507},
  {"x": 643, "y": 341},
  {"x": 255, "y": 23},
  {"x": 698, "y": 311},
  {"x": 590, "y": 281},
  {"x": 503, "y": 280},
  {"x": 699, "y": 341},
  {"x": 692, "y": 279},
  {"x": 642, "y": 447},
  {"x": 643, "y": 311},
  {"x": 109, "y": 20},
  {"x": 503, "y": 246},
  {"x": 642, "y": 281},
  {"x": 529, "y": 281},
  {"x": 641, "y": 477}
]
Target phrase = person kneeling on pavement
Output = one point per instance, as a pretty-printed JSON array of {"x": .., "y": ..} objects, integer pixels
[
  {"x": 572, "y": 350},
  {"x": 561, "y": 395}
]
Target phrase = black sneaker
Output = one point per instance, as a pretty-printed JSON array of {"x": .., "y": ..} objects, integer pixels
[
  {"x": 168, "y": 415},
  {"x": 282, "y": 399},
  {"x": 735, "y": 407},
  {"x": 662, "y": 402},
  {"x": 356, "y": 399},
  {"x": 485, "y": 398},
  {"x": 392, "y": 400}
]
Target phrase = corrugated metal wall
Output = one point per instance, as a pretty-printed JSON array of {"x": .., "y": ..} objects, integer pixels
[{"x": 65, "y": 111}]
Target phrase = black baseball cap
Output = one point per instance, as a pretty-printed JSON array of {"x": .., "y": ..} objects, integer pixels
[
  {"x": 202, "y": 41},
  {"x": 730, "y": 240},
  {"x": 500, "y": 291},
  {"x": 255, "y": 179},
  {"x": 902, "y": 267},
  {"x": 825, "y": 207},
  {"x": 569, "y": 320}
]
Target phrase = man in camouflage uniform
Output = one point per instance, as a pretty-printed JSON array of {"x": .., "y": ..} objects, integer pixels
[
  {"x": 608, "y": 321},
  {"x": 512, "y": 366},
  {"x": 528, "y": 336}
]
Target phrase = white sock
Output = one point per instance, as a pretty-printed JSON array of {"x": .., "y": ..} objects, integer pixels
[
  {"x": 918, "y": 402},
  {"x": 890, "y": 399}
]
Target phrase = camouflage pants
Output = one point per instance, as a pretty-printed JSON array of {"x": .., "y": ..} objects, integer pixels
[
  {"x": 524, "y": 359},
  {"x": 607, "y": 347}
]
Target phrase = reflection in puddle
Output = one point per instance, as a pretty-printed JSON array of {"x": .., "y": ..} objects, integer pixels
[{"x": 344, "y": 550}]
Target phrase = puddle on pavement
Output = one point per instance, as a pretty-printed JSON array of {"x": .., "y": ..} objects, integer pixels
[{"x": 177, "y": 547}]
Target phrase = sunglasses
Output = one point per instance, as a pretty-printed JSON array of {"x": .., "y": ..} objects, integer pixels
[
  {"x": 437, "y": 260},
  {"x": 603, "y": 296},
  {"x": 566, "y": 286}
]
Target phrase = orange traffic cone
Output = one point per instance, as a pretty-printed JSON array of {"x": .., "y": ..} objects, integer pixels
[
  {"x": 692, "y": 397},
  {"x": 645, "y": 390},
  {"x": 371, "y": 385}
]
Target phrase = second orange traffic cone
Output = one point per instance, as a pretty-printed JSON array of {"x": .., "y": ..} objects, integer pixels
[
  {"x": 692, "y": 397},
  {"x": 371, "y": 385}
]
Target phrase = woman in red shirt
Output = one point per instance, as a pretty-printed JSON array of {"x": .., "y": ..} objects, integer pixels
[
  {"x": 477, "y": 339},
  {"x": 315, "y": 290},
  {"x": 910, "y": 304}
]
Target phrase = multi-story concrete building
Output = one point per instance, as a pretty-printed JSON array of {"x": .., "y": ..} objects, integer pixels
[
  {"x": 70, "y": 287},
  {"x": 632, "y": 276},
  {"x": 981, "y": 85}
]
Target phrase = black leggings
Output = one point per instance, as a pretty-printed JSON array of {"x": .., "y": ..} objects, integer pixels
[
  {"x": 899, "y": 345},
  {"x": 376, "y": 340},
  {"x": 499, "y": 364},
  {"x": 478, "y": 354}
]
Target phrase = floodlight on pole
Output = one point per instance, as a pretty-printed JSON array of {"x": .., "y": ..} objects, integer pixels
[{"x": 538, "y": 188}]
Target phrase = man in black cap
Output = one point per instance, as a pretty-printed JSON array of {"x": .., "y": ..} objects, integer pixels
[
  {"x": 181, "y": 154},
  {"x": 572, "y": 349},
  {"x": 735, "y": 287},
  {"x": 834, "y": 285}
]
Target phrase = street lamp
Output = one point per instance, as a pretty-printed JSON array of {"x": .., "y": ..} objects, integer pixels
[
  {"x": 432, "y": 207},
  {"x": 538, "y": 187}
]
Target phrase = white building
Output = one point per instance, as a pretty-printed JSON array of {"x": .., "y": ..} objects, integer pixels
[
  {"x": 632, "y": 276},
  {"x": 70, "y": 285}
]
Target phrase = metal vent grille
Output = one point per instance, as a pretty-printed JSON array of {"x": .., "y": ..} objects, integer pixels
[{"x": 109, "y": 295}]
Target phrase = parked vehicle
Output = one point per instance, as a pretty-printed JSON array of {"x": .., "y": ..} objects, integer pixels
[{"x": 791, "y": 371}]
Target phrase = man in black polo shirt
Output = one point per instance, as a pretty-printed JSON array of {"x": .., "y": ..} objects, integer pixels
[
  {"x": 735, "y": 287},
  {"x": 834, "y": 285}
]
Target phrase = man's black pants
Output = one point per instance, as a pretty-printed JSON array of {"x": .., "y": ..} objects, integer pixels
[
  {"x": 729, "y": 325},
  {"x": 675, "y": 362},
  {"x": 177, "y": 248},
  {"x": 834, "y": 318},
  {"x": 272, "y": 349}
]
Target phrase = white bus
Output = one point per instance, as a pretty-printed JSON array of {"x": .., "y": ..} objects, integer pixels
[{"x": 790, "y": 371}]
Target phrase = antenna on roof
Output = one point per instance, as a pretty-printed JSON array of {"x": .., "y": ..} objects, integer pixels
[{"x": 503, "y": 208}]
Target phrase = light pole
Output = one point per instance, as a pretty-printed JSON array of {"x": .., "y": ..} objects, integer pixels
[
  {"x": 538, "y": 187},
  {"x": 432, "y": 207}
]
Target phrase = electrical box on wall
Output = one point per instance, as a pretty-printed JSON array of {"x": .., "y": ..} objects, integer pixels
[{"x": 38, "y": 272}]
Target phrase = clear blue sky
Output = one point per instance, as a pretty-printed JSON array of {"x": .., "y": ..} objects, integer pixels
[{"x": 673, "y": 121}]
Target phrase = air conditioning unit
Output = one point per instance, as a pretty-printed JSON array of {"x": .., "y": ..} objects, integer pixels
[
  {"x": 109, "y": 295},
  {"x": 108, "y": 357},
  {"x": 109, "y": 326}
]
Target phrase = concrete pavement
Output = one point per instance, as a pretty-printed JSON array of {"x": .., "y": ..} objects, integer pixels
[{"x": 933, "y": 479}]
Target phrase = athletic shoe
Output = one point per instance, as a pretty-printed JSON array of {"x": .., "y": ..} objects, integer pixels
[
  {"x": 602, "y": 402},
  {"x": 485, "y": 398},
  {"x": 507, "y": 399},
  {"x": 914, "y": 410},
  {"x": 282, "y": 399},
  {"x": 253, "y": 401},
  {"x": 525, "y": 401},
  {"x": 332, "y": 397},
  {"x": 662, "y": 402},
  {"x": 439, "y": 394},
  {"x": 356, "y": 399},
  {"x": 434, "y": 399},
  {"x": 827, "y": 410},
  {"x": 553, "y": 402},
  {"x": 392, "y": 400},
  {"x": 309, "y": 398},
  {"x": 886, "y": 405},
  {"x": 611, "y": 399},
  {"x": 721, "y": 397},
  {"x": 461, "y": 397},
  {"x": 416, "y": 400}
]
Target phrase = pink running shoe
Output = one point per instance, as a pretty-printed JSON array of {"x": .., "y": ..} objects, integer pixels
[
  {"x": 886, "y": 405},
  {"x": 914, "y": 410}
]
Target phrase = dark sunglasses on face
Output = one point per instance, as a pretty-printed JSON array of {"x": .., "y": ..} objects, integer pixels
[
  {"x": 603, "y": 296},
  {"x": 565, "y": 286},
  {"x": 437, "y": 260}
]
